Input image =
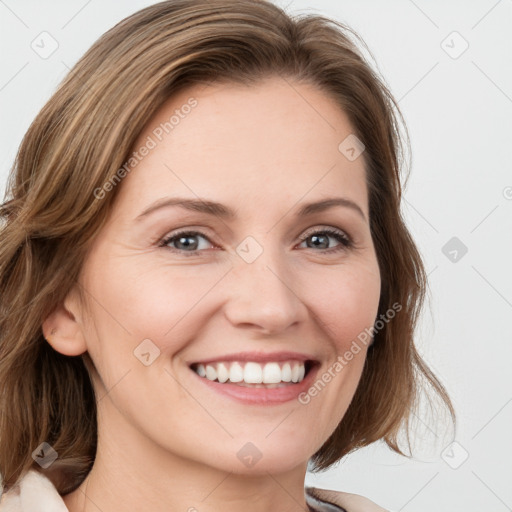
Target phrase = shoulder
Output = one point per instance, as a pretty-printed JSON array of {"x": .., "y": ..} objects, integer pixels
[
  {"x": 34, "y": 491},
  {"x": 349, "y": 502}
]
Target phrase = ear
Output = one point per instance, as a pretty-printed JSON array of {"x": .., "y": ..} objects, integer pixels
[{"x": 63, "y": 329}]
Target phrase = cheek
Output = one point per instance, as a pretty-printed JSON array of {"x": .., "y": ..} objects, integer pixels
[
  {"x": 346, "y": 301},
  {"x": 163, "y": 303},
  {"x": 346, "y": 304}
]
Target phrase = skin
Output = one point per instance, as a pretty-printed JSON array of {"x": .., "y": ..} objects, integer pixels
[{"x": 166, "y": 441}]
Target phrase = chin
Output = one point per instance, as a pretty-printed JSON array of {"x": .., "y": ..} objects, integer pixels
[{"x": 257, "y": 455}]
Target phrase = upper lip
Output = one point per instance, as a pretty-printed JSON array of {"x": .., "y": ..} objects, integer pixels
[{"x": 258, "y": 357}]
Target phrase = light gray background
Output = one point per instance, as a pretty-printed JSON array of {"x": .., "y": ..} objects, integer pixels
[{"x": 459, "y": 113}]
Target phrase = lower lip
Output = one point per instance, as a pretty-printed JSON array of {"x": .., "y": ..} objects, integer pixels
[{"x": 261, "y": 396}]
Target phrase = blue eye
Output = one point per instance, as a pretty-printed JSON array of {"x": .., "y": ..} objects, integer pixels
[
  {"x": 188, "y": 242},
  {"x": 320, "y": 238}
]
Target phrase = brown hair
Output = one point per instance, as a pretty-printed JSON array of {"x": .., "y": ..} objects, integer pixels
[{"x": 82, "y": 137}]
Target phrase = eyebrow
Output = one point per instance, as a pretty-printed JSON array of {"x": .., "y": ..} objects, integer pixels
[{"x": 224, "y": 212}]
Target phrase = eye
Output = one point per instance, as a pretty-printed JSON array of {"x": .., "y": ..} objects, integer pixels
[
  {"x": 186, "y": 241},
  {"x": 320, "y": 239}
]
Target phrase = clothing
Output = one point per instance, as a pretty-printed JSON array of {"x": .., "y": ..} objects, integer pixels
[
  {"x": 315, "y": 504},
  {"x": 36, "y": 493}
]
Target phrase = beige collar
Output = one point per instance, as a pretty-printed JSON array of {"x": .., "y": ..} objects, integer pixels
[{"x": 36, "y": 493}]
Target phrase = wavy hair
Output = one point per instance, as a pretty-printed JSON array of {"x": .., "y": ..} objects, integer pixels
[{"x": 82, "y": 137}]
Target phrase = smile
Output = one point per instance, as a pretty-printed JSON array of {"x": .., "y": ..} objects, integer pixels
[
  {"x": 250, "y": 373},
  {"x": 254, "y": 378}
]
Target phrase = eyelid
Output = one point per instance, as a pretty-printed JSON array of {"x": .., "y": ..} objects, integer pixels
[
  {"x": 326, "y": 229},
  {"x": 184, "y": 231}
]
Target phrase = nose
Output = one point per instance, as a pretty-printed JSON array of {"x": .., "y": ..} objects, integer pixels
[{"x": 262, "y": 296}]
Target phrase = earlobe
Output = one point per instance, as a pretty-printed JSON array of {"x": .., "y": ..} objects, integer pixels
[{"x": 63, "y": 332}]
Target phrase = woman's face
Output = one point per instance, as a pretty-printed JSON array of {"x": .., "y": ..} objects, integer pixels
[{"x": 241, "y": 275}]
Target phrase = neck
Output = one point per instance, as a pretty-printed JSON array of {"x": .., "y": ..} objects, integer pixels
[{"x": 131, "y": 472}]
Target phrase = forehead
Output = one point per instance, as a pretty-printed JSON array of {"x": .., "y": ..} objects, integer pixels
[{"x": 276, "y": 140}]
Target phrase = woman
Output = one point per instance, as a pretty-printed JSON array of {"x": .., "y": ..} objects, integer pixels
[{"x": 206, "y": 279}]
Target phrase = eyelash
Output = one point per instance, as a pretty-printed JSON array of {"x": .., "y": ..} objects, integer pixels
[{"x": 345, "y": 241}]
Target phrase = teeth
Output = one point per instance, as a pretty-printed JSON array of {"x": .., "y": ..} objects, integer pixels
[
  {"x": 302, "y": 372},
  {"x": 271, "y": 373},
  {"x": 295, "y": 373},
  {"x": 286, "y": 374},
  {"x": 222, "y": 373},
  {"x": 253, "y": 373},
  {"x": 236, "y": 373},
  {"x": 211, "y": 372}
]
